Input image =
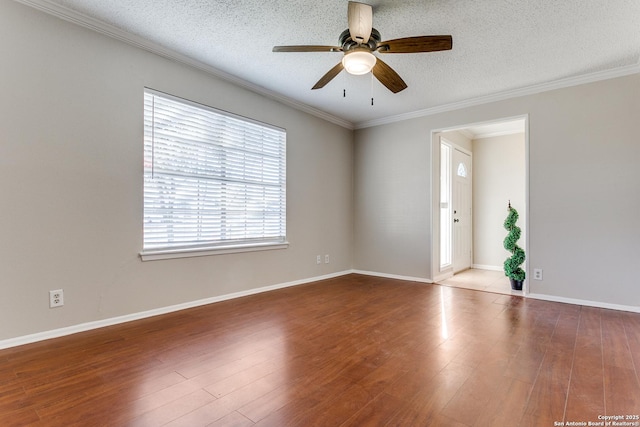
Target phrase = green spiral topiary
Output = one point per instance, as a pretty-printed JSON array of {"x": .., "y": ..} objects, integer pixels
[{"x": 512, "y": 264}]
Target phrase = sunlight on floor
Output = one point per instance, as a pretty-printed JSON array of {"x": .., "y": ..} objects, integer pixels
[{"x": 481, "y": 280}]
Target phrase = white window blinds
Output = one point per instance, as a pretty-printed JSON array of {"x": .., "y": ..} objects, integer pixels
[{"x": 211, "y": 179}]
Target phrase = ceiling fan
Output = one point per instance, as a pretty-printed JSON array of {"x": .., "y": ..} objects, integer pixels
[{"x": 359, "y": 42}]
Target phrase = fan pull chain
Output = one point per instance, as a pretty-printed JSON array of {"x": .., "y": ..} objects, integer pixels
[
  {"x": 344, "y": 93},
  {"x": 371, "y": 88}
]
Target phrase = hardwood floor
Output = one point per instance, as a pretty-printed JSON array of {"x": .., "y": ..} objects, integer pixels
[{"x": 350, "y": 351}]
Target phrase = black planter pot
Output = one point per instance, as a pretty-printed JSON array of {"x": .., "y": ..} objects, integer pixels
[{"x": 516, "y": 285}]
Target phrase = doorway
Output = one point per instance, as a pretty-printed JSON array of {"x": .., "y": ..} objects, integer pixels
[{"x": 494, "y": 157}]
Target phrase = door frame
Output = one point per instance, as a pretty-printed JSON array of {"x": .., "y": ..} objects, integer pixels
[{"x": 434, "y": 140}]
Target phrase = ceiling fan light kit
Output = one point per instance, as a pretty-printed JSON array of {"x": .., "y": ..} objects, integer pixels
[
  {"x": 361, "y": 40},
  {"x": 358, "y": 62}
]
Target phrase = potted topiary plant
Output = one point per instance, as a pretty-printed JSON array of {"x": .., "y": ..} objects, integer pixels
[{"x": 512, "y": 264}]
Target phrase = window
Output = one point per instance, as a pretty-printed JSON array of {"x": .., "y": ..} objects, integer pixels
[
  {"x": 213, "y": 181},
  {"x": 462, "y": 170},
  {"x": 445, "y": 205}
]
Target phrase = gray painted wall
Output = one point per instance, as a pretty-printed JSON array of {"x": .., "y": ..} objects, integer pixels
[
  {"x": 71, "y": 110},
  {"x": 71, "y": 184},
  {"x": 583, "y": 190},
  {"x": 498, "y": 176},
  {"x": 392, "y": 204}
]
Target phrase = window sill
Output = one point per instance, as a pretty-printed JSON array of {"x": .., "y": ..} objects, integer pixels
[{"x": 154, "y": 255}]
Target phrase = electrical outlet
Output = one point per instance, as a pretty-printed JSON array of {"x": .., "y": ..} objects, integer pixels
[
  {"x": 318, "y": 259},
  {"x": 326, "y": 259},
  {"x": 537, "y": 273},
  {"x": 56, "y": 298}
]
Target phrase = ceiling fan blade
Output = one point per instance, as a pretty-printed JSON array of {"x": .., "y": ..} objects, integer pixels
[
  {"x": 388, "y": 77},
  {"x": 329, "y": 76},
  {"x": 360, "y": 18},
  {"x": 416, "y": 44},
  {"x": 307, "y": 48}
]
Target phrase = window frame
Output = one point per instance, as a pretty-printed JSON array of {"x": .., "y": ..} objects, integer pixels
[{"x": 211, "y": 247}]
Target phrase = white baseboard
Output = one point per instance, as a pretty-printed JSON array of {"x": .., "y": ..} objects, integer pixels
[
  {"x": 56, "y": 333},
  {"x": 487, "y": 267},
  {"x": 69, "y": 330},
  {"x": 552, "y": 298},
  {"x": 392, "y": 276},
  {"x": 587, "y": 303}
]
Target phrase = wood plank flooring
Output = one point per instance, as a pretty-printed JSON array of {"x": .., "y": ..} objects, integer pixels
[{"x": 350, "y": 351}]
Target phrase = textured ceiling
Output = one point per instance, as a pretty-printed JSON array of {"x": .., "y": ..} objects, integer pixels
[{"x": 498, "y": 45}]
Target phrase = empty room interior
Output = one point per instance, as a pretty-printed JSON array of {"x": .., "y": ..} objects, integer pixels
[{"x": 193, "y": 236}]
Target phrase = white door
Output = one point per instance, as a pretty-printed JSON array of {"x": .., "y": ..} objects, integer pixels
[{"x": 462, "y": 214}]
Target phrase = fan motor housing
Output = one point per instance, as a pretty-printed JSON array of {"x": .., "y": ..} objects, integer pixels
[{"x": 348, "y": 44}]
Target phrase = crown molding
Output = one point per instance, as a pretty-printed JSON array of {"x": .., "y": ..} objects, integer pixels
[
  {"x": 139, "y": 42},
  {"x": 529, "y": 90}
]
